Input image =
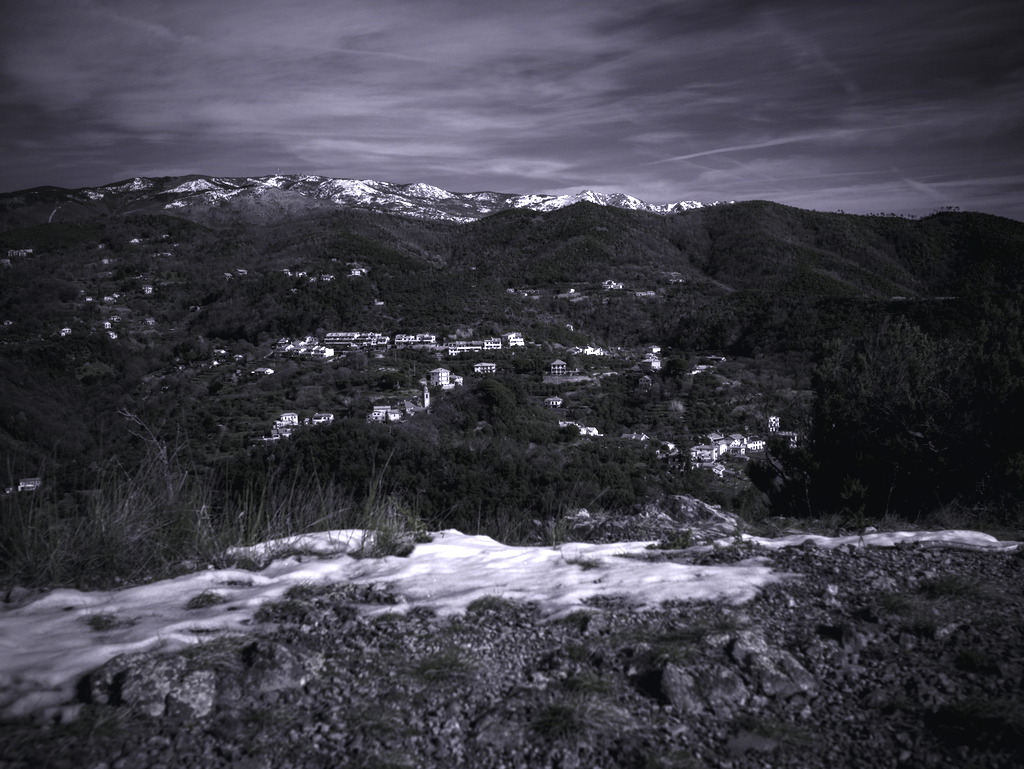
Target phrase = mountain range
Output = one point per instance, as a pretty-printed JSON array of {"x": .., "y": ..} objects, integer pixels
[{"x": 201, "y": 197}]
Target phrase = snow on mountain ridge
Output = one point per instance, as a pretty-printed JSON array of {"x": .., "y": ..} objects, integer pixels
[
  {"x": 417, "y": 200},
  {"x": 195, "y": 185}
]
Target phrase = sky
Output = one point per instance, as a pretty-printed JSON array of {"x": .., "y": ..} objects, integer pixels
[
  {"x": 47, "y": 644},
  {"x": 899, "y": 106}
]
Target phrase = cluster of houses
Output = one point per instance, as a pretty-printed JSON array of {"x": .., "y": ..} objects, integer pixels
[
  {"x": 651, "y": 360},
  {"x": 395, "y": 413},
  {"x": 322, "y": 277},
  {"x": 289, "y": 421},
  {"x": 735, "y": 445},
  {"x": 372, "y": 340},
  {"x": 309, "y": 347},
  {"x": 719, "y": 446},
  {"x": 115, "y": 297}
]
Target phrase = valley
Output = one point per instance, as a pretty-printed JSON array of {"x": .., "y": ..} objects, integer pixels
[{"x": 139, "y": 337}]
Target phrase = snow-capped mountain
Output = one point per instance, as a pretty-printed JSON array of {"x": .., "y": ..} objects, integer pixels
[{"x": 192, "y": 196}]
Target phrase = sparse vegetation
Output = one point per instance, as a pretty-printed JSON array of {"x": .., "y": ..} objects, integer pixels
[
  {"x": 679, "y": 540},
  {"x": 104, "y": 622},
  {"x": 491, "y": 604},
  {"x": 205, "y": 600}
]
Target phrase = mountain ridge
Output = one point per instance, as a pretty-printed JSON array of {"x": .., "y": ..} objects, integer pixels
[{"x": 194, "y": 195}]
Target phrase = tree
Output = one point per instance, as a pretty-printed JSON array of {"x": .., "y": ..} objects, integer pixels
[{"x": 886, "y": 436}]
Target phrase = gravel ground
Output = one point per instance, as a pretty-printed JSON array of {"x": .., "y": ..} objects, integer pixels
[{"x": 903, "y": 657}]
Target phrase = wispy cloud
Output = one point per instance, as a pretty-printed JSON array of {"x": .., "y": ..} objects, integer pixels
[
  {"x": 828, "y": 135},
  {"x": 672, "y": 100}
]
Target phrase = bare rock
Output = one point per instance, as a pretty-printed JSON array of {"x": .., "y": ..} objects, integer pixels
[
  {"x": 193, "y": 696},
  {"x": 273, "y": 666},
  {"x": 775, "y": 672},
  {"x": 715, "y": 688},
  {"x": 143, "y": 681}
]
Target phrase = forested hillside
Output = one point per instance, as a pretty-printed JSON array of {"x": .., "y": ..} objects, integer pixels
[{"x": 891, "y": 346}]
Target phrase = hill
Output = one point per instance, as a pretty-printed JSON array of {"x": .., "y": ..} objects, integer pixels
[{"x": 120, "y": 312}]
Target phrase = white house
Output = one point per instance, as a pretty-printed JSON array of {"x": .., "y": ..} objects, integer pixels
[
  {"x": 514, "y": 339},
  {"x": 443, "y": 378},
  {"x": 553, "y": 402},
  {"x": 485, "y": 368},
  {"x": 288, "y": 418},
  {"x": 652, "y": 361},
  {"x": 719, "y": 441},
  {"x": 704, "y": 453},
  {"x": 557, "y": 367},
  {"x": 29, "y": 484}
]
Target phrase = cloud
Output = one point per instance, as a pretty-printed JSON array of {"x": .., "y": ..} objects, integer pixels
[{"x": 666, "y": 96}]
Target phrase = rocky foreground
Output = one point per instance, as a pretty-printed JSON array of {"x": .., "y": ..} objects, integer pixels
[{"x": 868, "y": 657}]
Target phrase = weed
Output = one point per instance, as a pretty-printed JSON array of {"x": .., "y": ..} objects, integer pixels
[
  {"x": 580, "y": 620},
  {"x": 555, "y": 531},
  {"x": 156, "y": 519},
  {"x": 578, "y": 717},
  {"x": 608, "y": 601},
  {"x": 447, "y": 665},
  {"x": 587, "y": 683},
  {"x": 917, "y": 614},
  {"x": 392, "y": 529},
  {"x": 977, "y": 661},
  {"x": 106, "y": 621},
  {"x": 896, "y": 603},
  {"x": 205, "y": 600},
  {"x": 774, "y": 729},
  {"x": 577, "y": 652},
  {"x": 587, "y": 564},
  {"x": 491, "y": 604},
  {"x": 980, "y": 721},
  {"x": 678, "y": 540},
  {"x": 559, "y": 721},
  {"x": 949, "y": 586}
]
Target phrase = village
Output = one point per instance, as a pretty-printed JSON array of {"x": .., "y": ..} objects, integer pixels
[
  {"x": 125, "y": 307},
  {"x": 710, "y": 455}
]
